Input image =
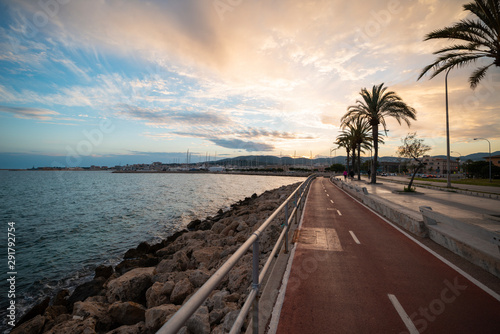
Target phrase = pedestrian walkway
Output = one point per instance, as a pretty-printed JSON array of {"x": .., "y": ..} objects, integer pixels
[
  {"x": 352, "y": 272},
  {"x": 479, "y": 211}
]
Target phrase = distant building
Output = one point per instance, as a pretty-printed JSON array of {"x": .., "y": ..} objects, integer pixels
[
  {"x": 495, "y": 160},
  {"x": 438, "y": 166}
]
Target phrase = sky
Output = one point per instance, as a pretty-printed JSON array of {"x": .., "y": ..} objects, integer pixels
[{"x": 119, "y": 82}]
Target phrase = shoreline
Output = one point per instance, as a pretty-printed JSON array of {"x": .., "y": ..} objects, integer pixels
[{"x": 167, "y": 273}]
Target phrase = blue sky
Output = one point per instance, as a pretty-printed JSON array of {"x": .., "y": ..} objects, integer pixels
[{"x": 108, "y": 82}]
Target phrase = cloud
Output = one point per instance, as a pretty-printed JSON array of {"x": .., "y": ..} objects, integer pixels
[
  {"x": 238, "y": 144},
  {"x": 29, "y": 113},
  {"x": 169, "y": 118}
]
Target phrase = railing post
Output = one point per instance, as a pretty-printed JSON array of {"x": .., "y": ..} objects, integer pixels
[
  {"x": 255, "y": 286},
  {"x": 286, "y": 226}
]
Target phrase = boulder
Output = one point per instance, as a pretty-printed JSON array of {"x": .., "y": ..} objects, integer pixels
[
  {"x": 74, "y": 326},
  {"x": 95, "y": 310},
  {"x": 139, "y": 251},
  {"x": 38, "y": 309},
  {"x": 138, "y": 328},
  {"x": 61, "y": 298},
  {"x": 86, "y": 290},
  {"x": 206, "y": 257},
  {"x": 181, "y": 259},
  {"x": 129, "y": 264},
  {"x": 53, "y": 311},
  {"x": 198, "y": 277},
  {"x": 159, "y": 293},
  {"x": 199, "y": 322},
  {"x": 127, "y": 313},
  {"x": 131, "y": 286},
  {"x": 32, "y": 326},
  {"x": 157, "y": 316},
  {"x": 104, "y": 271},
  {"x": 181, "y": 290},
  {"x": 229, "y": 320},
  {"x": 167, "y": 266}
]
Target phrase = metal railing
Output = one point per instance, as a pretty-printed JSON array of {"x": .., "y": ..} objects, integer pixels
[{"x": 177, "y": 321}]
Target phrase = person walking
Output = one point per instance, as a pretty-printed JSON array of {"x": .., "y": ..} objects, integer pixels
[{"x": 345, "y": 176}]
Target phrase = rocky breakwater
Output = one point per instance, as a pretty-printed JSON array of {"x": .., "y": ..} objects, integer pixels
[{"x": 153, "y": 281}]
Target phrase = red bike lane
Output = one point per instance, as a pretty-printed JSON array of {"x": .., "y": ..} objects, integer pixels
[{"x": 353, "y": 272}]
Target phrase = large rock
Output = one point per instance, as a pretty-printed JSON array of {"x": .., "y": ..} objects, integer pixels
[
  {"x": 167, "y": 266},
  {"x": 75, "y": 326},
  {"x": 127, "y": 313},
  {"x": 157, "y": 316},
  {"x": 104, "y": 271},
  {"x": 139, "y": 251},
  {"x": 199, "y": 322},
  {"x": 181, "y": 290},
  {"x": 138, "y": 328},
  {"x": 182, "y": 260},
  {"x": 38, "y": 309},
  {"x": 86, "y": 290},
  {"x": 95, "y": 310},
  {"x": 131, "y": 286},
  {"x": 159, "y": 293},
  {"x": 206, "y": 257},
  {"x": 229, "y": 320},
  {"x": 198, "y": 277},
  {"x": 32, "y": 326},
  {"x": 130, "y": 264}
]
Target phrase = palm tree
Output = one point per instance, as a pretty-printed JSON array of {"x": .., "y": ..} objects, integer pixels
[
  {"x": 345, "y": 140},
  {"x": 374, "y": 107},
  {"x": 478, "y": 38},
  {"x": 360, "y": 130}
]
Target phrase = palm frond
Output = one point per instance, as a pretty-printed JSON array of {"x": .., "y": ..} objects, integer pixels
[{"x": 478, "y": 74}]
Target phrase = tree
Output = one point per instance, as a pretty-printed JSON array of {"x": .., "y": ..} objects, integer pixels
[
  {"x": 345, "y": 140},
  {"x": 360, "y": 130},
  {"x": 413, "y": 148},
  {"x": 375, "y": 106},
  {"x": 477, "y": 38},
  {"x": 336, "y": 168}
]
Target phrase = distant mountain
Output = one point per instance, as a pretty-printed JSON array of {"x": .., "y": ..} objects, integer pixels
[
  {"x": 268, "y": 160},
  {"x": 473, "y": 157}
]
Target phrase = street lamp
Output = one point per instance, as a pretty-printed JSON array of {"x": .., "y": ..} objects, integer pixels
[
  {"x": 333, "y": 150},
  {"x": 458, "y": 159},
  {"x": 489, "y": 150},
  {"x": 448, "y": 181}
]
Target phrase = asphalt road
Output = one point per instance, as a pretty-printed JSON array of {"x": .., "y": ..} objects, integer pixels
[{"x": 352, "y": 272}]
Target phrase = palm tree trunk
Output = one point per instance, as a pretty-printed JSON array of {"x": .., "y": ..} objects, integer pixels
[
  {"x": 359, "y": 161},
  {"x": 348, "y": 169},
  {"x": 375, "y": 153}
]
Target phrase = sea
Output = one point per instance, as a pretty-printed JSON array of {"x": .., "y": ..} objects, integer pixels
[{"x": 63, "y": 224}]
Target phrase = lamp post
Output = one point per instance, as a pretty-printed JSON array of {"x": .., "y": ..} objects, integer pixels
[
  {"x": 459, "y": 156},
  {"x": 333, "y": 150},
  {"x": 448, "y": 181},
  {"x": 489, "y": 150}
]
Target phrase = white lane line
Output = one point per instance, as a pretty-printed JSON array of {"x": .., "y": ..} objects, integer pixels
[
  {"x": 354, "y": 237},
  {"x": 327, "y": 195},
  {"x": 406, "y": 319},
  {"x": 331, "y": 201},
  {"x": 339, "y": 213}
]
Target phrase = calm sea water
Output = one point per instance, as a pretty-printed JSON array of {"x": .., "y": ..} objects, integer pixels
[{"x": 67, "y": 223}]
